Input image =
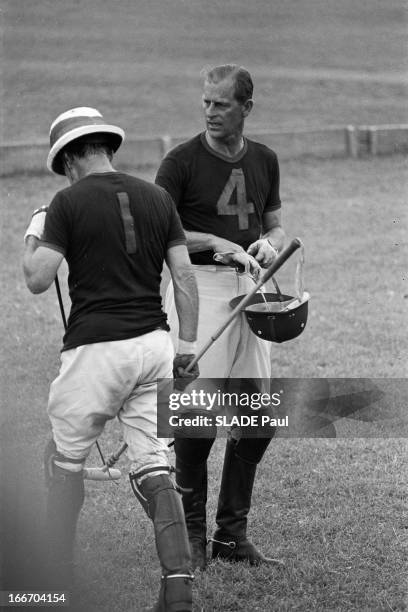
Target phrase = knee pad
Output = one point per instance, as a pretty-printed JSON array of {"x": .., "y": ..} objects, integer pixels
[{"x": 143, "y": 487}]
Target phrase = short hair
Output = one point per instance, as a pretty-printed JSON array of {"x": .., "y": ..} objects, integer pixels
[
  {"x": 90, "y": 144},
  {"x": 243, "y": 85}
]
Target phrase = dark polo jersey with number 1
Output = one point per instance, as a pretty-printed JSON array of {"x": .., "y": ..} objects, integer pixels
[
  {"x": 219, "y": 195},
  {"x": 114, "y": 231}
]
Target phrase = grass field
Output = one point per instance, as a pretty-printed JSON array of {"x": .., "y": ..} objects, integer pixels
[
  {"x": 315, "y": 62},
  {"x": 333, "y": 509}
]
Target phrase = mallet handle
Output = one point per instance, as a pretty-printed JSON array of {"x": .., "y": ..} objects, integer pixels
[
  {"x": 114, "y": 458},
  {"x": 60, "y": 302},
  {"x": 275, "y": 265}
]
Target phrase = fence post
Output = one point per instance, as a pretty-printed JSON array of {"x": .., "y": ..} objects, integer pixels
[
  {"x": 351, "y": 141},
  {"x": 166, "y": 143},
  {"x": 372, "y": 140}
]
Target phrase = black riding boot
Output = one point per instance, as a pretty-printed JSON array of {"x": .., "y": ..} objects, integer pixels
[
  {"x": 64, "y": 503},
  {"x": 230, "y": 541},
  {"x": 191, "y": 476},
  {"x": 162, "y": 503}
]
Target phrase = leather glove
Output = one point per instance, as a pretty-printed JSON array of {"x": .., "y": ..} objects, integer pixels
[
  {"x": 36, "y": 227},
  {"x": 263, "y": 251},
  {"x": 182, "y": 378}
]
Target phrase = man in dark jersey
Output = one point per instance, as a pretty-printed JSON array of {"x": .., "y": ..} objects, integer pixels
[
  {"x": 114, "y": 231},
  {"x": 226, "y": 189}
]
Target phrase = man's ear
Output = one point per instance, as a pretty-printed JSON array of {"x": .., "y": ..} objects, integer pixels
[{"x": 247, "y": 107}]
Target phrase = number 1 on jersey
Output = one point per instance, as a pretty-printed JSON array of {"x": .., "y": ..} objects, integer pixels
[
  {"x": 128, "y": 222},
  {"x": 242, "y": 208}
]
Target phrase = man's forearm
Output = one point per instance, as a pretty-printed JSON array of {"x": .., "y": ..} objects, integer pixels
[
  {"x": 40, "y": 265},
  {"x": 30, "y": 270},
  {"x": 186, "y": 300},
  {"x": 199, "y": 241},
  {"x": 185, "y": 291}
]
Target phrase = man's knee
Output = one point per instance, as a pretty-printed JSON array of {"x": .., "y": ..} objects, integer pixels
[
  {"x": 192, "y": 452},
  {"x": 148, "y": 483},
  {"x": 251, "y": 450}
]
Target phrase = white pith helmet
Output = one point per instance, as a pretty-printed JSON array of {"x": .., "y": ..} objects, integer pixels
[{"x": 75, "y": 123}]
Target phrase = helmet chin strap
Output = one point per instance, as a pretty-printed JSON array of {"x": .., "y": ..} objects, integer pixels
[{"x": 299, "y": 284}]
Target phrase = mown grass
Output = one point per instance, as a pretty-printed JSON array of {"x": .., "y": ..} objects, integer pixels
[
  {"x": 333, "y": 509},
  {"x": 139, "y": 62}
]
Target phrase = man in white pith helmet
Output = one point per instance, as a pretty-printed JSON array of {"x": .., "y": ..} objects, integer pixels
[{"x": 115, "y": 231}]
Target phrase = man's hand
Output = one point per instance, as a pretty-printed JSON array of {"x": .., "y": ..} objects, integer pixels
[
  {"x": 183, "y": 378},
  {"x": 243, "y": 261},
  {"x": 36, "y": 227},
  {"x": 263, "y": 252}
]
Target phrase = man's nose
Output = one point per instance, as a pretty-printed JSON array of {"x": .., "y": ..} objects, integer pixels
[{"x": 210, "y": 109}]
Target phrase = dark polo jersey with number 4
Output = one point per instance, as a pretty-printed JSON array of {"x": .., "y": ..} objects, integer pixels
[
  {"x": 114, "y": 231},
  {"x": 219, "y": 195}
]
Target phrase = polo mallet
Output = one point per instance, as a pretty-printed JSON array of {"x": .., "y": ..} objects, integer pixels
[{"x": 105, "y": 472}]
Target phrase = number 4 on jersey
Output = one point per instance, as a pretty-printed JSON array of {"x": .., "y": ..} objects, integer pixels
[{"x": 242, "y": 208}]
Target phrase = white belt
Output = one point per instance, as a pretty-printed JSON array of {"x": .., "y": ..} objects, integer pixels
[{"x": 214, "y": 268}]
